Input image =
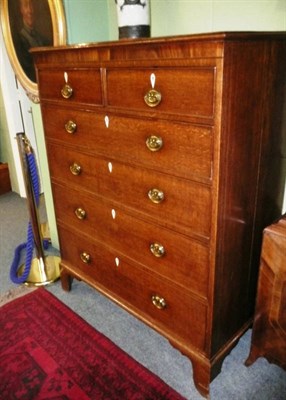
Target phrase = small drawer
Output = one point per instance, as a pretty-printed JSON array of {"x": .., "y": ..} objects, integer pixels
[
  {"x": 187, "y": 150},
  {"x": 84, "y": 85},
  {"x": 185, "y": 207},
  {"x": 135, "y": 288},
  {"x": 183, "y": 260},
  {"x": 186, "y": 91}
]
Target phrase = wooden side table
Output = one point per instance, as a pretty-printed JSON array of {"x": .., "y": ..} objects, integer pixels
[
  {"x": 269, "y": 328},
  {"x": 5, "y": 185}
]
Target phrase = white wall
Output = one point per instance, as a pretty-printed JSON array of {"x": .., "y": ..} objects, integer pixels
[
  {"x": 13, "y": 119},
  {"x": 195, "y": 16},
  {"x": 19, "y": 118}
]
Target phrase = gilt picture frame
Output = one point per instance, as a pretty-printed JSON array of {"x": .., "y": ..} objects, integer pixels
[{"x": 26, "y": 24}]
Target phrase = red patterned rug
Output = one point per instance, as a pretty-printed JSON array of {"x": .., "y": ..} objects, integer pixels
[{"x": 47, "y": 352}]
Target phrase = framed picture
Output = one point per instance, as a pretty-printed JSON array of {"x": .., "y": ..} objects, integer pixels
[{"x": 27, "y": 24}]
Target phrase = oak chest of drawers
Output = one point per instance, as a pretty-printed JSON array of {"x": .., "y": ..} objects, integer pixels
[{"x": 165, "y": 163}]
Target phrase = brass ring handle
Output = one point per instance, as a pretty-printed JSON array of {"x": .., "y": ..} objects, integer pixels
[
  {"x": 80, "y": 213},
  {"x": 156, "y": 195},
  {"x": 154, "y": 143},
  {"x": 85, "y": 257},
  {"x": 75, "y": 169},
  {"x": 153, "y": 98},
  {"x": 70, "y": 126},
  {"x": 67, "y": 91},
  {"x": 157, "y": 249},
  {"x": 159, "y": 302}
]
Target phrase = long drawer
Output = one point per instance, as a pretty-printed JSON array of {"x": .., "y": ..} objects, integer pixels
[
  {"x": 186, "y": 150},
  {"x": 134, "y": 188},
  {"x": 137, "y": 289},
  {"x": 162, "y": 251}
]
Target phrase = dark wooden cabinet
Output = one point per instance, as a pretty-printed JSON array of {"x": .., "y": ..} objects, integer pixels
[
  {"x": 165, "y": 163},
  {"x": 269, "y": 328}
]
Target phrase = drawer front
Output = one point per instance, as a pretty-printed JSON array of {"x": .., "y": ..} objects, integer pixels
[
  {"x": 85, "y": 85},
  {"x": 182, "y": 315},
  {"x": 183, "y": 91},
  {"x": 162, "y": 251},
  {"x": 177, "y": 203},
  {"x": 187, "y": 150}
]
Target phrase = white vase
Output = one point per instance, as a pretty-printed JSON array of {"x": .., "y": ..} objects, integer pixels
[{"x": 133, "y": 18}]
